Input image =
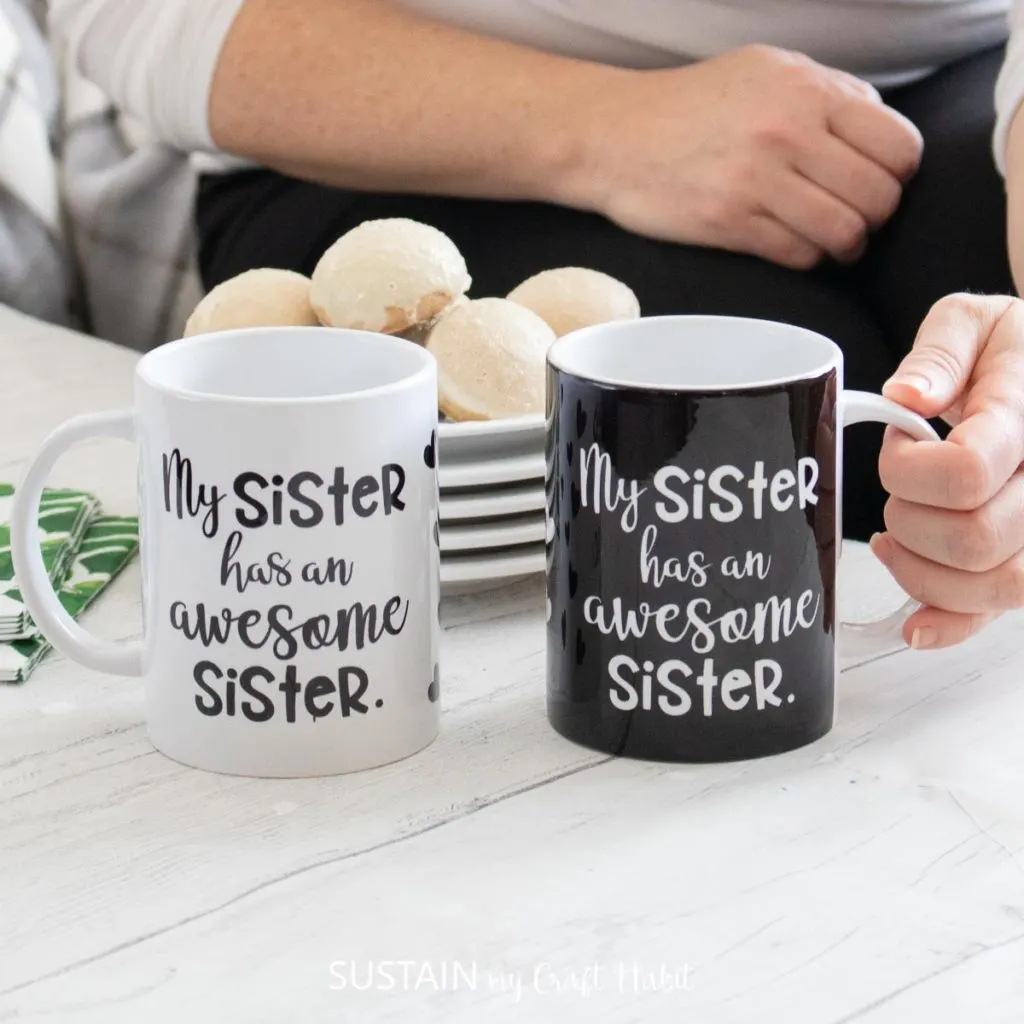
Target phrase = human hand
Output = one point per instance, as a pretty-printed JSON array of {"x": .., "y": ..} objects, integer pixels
[
  {"x": 955, "y": 521},
  {"x": 759, "y": 151}
]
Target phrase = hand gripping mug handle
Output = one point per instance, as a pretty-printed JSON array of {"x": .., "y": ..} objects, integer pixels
[
  {"x": 867, "y": 638},
  {"x": 33, "y": 581}
]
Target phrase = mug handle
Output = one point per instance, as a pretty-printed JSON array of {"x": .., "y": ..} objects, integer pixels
[
  {"x": 53, "y": 621},
  {"x": 869, "y": 638}
]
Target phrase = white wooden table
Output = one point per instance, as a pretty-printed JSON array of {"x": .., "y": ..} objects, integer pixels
[{"x": 504, "y": 874}]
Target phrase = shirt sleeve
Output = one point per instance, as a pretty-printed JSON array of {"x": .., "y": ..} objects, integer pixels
[
  {"x": 1010, "y": 84},
  {"x": 155, "y": 59}
]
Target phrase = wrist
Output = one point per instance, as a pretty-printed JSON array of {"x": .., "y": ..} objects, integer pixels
[{"x": 570, "y": 136}]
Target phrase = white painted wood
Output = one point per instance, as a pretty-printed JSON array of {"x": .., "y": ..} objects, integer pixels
[{"x": 875, "y": 876}]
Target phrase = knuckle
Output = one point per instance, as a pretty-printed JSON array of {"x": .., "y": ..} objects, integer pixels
[
  {"x": 1008, "y": 590},
  {"x": 908, "y": 157},
  {"x": 975, "y": 543},
  {"x": 775, "y": 132},
  {"x": 865, "y": 89},
  {"x": 888, "y": 472},
  {"x": 846, "y": 91},
  {"x": 741, "y": 177},
  {"x": 892, "y": 513},
  {"x": 847, "y": 231},
  {"x": 933, "y": 358},
  {"x": 944, "y": 360},
  {"x": 969, "y": 483},
  {"x": 760, "y": 51},
  {"x": 916, "y": 587},
  {"x": 781, "y": 63},
  {"x": 806, "y": 76},
  {"x": 904, "y": 146},
  {"x": 954, "y": 300},
  {"x": 956, "y": 306},
  {"x": 717, "y": 215},
  {"x": 882, "y": 200},
  {"x": 798, "y": 255},
  {"x": 975, "y": 624},
  {"x": 902, "y": 520}
]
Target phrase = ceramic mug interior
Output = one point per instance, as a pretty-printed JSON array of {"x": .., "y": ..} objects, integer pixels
[
  {"x": 694, "y": 353},
  {"x": 285, "y": 363}
]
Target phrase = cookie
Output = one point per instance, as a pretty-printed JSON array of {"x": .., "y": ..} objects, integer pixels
[
  {"x": 387, "y": 276},
  {"x": 257, "y": 298},
  {"x": 570, "y": 298},
  {"x": 491, "y": 360}
]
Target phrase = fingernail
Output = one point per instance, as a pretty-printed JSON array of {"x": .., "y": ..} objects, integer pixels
[
  {"x": 881, "y": 548},
  {"x": 923, "y": 637},
  {"x": 915, "y": 381}
]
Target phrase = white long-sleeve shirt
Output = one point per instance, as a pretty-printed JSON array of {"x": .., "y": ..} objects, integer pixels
[{"x": 153, "y": 61}]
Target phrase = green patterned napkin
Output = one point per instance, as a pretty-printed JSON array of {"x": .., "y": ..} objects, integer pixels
[
  {"x": 63, "y": 519},
  {"x": 107, "y": 548}
]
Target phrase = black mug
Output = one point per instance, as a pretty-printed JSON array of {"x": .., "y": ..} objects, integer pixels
[{"x": 693, "y": 502}]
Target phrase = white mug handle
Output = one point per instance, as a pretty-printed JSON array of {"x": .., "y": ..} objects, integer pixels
[
  {"x": 868, "y": 638},
  {"x": 56, "y": 625}
]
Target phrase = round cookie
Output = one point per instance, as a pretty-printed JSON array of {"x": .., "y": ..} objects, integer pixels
[
  {"x": 490, "y": 360},
  {"x": 257, "y": 298},
  {"x": 387, "y": 275},
  {"x": 569, "y": 298}
]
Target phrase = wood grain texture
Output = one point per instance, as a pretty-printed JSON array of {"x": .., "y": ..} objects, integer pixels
[{"x": 875, "y": 876}]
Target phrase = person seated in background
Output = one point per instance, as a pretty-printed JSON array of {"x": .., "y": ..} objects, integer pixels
[
  {"x": 35, "y": 272},
  {"x": 828, "y": 164}
]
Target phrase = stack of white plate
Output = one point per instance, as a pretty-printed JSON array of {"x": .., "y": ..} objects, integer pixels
[{"x": 492, "y": 501}]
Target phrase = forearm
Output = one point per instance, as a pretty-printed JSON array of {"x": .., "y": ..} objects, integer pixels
[{"x": 363, "y": 94}]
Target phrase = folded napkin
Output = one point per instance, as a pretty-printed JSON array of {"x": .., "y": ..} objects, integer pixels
[
  {"x": 64, "y": 517},
  {"x": 108, "y": 546}
]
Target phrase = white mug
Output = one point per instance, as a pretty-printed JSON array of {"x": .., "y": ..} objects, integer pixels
[{"x": 290, "y": 564}]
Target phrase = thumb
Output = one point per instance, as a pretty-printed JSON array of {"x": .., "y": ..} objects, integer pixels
[{"x": 935, "y": 372}]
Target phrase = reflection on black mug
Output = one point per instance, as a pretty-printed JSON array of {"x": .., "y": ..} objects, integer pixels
[{"x": 693, "y": 478}]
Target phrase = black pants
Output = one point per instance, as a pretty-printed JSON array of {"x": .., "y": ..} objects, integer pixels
[{"x": 948, "y": 235}]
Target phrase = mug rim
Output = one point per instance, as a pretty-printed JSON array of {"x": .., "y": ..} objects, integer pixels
[
  {"x": 557, "y": 356},
  {"x": 422, "y": 373}
]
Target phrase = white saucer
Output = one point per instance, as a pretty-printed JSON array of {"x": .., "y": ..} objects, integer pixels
[
  {"x": 479, "y": 440},
  {"x": 496, "y": 470},
  {"x": 501, "y": 534},
  {"x": 476, "y": 567},
  {"x": 492, "y": 504}
]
